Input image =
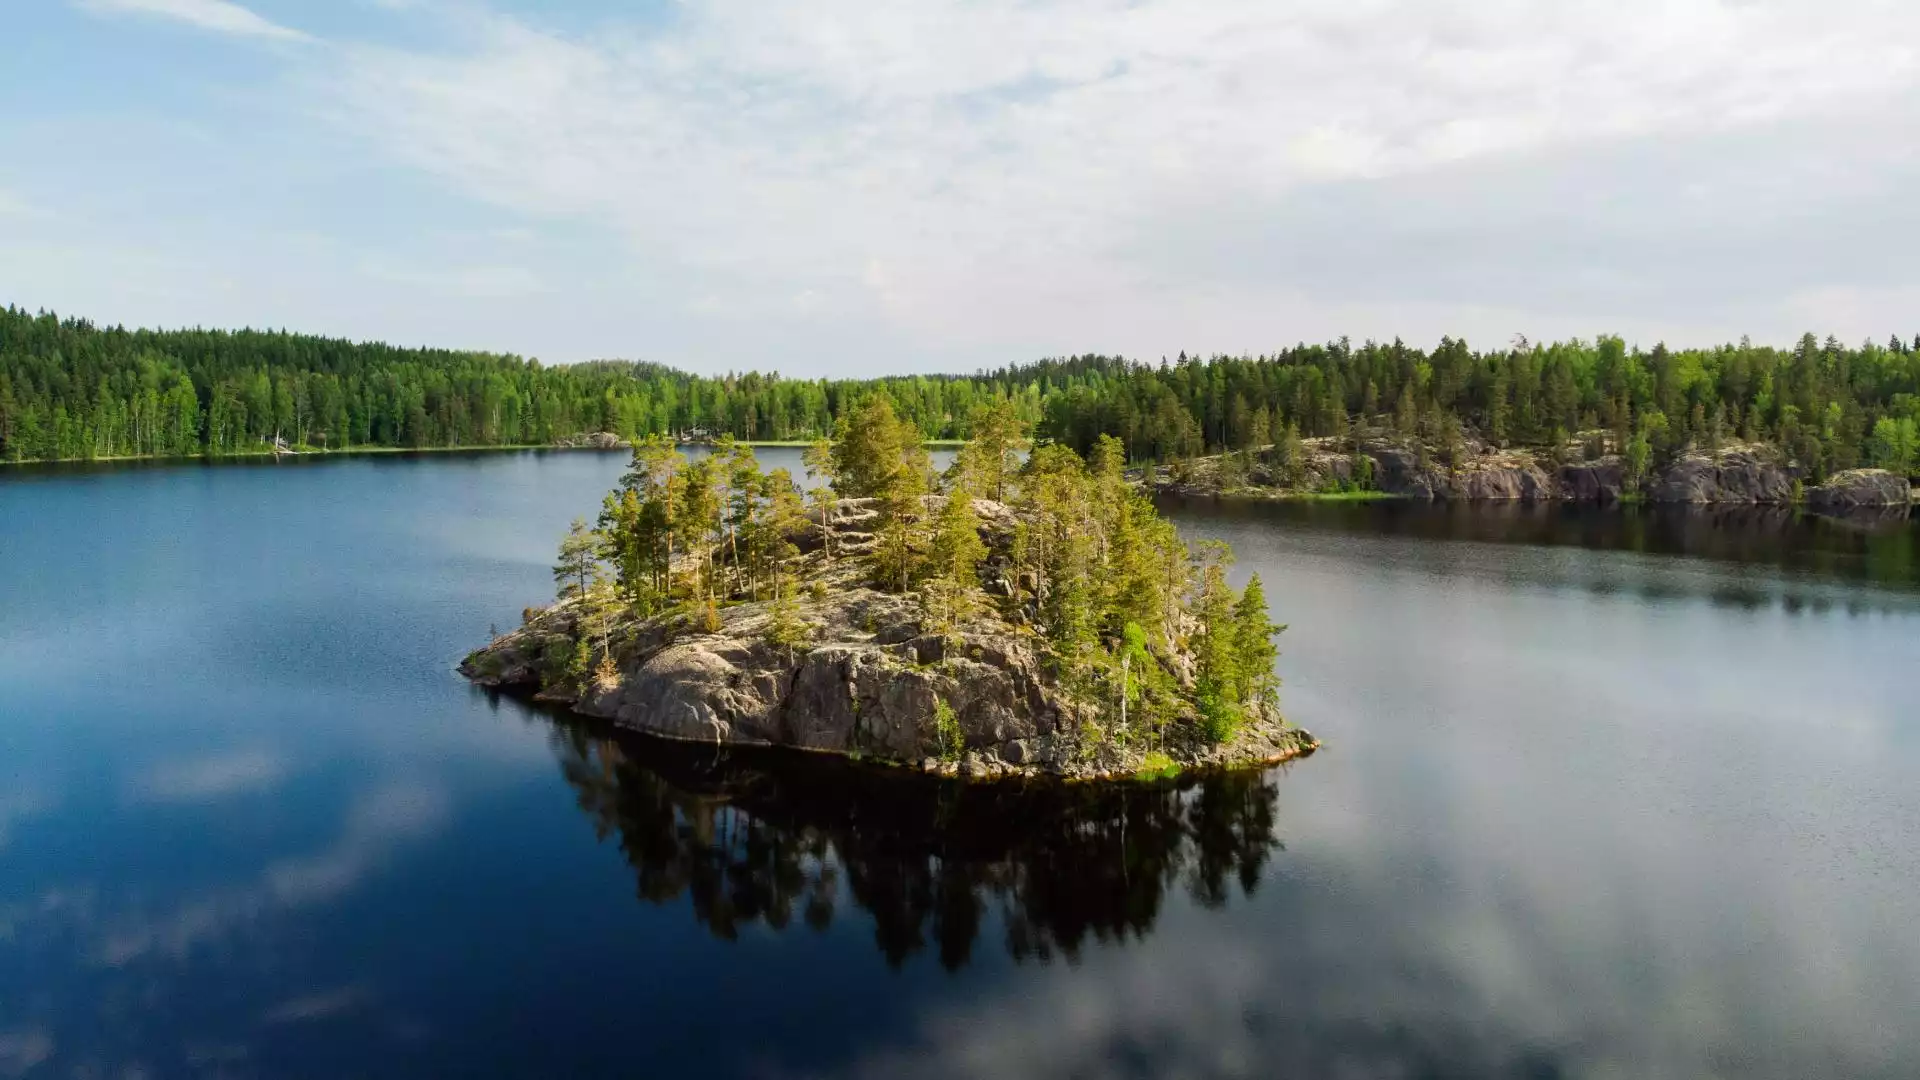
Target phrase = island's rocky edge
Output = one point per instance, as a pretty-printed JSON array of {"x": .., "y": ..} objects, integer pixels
[
  {"x": 1735, "y": 474},
  {"x": 865, "y": 685}
]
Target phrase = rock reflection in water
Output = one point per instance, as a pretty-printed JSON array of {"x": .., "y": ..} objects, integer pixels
[
  {"x": 1881, "y": 545},
  {"x": 752, "y": 837}
]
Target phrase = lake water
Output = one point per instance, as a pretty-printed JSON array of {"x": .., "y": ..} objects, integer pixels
[{"x": 1604, "y": 795}]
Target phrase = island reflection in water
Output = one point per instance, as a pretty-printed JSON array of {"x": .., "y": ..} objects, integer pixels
[{"x": 752, "y": 836}]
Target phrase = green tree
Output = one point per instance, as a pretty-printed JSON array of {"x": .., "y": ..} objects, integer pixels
[
  {"x": 951, "y": 592},
  {"x": 1292, "y": 451},
  {"x": 1256, "y": 683},
  {"x": 819, "y": 461},
  {"x": 1218, "y": 670},
  {"x": 1636, "y": 461},
  {"x": 949, "y": 740},
  {"x": 1895, "y": 444},
  {"x": 578, "y": 567},
  {"x": 870, "y": 450},
  {"x": 992, "y": 456},
  {"x": 897, "y": 540}
]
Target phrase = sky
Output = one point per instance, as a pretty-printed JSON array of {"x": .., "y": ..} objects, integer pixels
[{"x": 843, "y": 187}]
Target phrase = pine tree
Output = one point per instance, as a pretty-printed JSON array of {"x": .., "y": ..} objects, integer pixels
[
  {"x": 785, "y": 628},
  {"x": 898, "y": 536},
  {"x": 1293, "y": 458},
  {"x": 1253, "y": 645},
  {"x": 1216, "y": 647},
  {"x": 992, "y": 455},
  {"x": 951, "y": 592},
  {"x": 869, "y": 449},
  {"x": 701, "y": 516},
  {"x": 578, "y": 568},
  {"x": 818, "y": 459}
]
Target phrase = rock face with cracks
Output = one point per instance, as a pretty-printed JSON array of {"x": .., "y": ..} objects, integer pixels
[
  {"x": 1861, "y": 488},
  {"x": 1734, "y": 475},
  {"x": 865, "y": 683}
]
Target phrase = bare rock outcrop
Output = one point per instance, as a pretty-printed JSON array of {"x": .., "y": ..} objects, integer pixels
[
  {"x": 1861, "y": 488},
  {"x": 1734, "y": 475},
  {"x": 597, "y": 440},
  {"x": 1738, "y": 474},
  {"x": 1602, "y": 480}
]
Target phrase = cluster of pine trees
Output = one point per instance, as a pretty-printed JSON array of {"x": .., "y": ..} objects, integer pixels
[{"x": 1107, "y": 584}]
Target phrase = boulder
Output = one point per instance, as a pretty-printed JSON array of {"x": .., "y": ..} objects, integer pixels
[
  {"x": 1858, "y": 488},
  {"x": 597, "y": 440},
  {"x": 1740, "y": 474},
  {"x": 1398, "y": 471},
  {"x": 1592, "y": 481},
  {"x": 1508, "y": 479}
]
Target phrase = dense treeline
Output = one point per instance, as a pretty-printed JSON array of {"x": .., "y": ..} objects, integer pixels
[
  {"x": 73, "y": 390},
  {"x": 1828, "y": 406},
  {"x": 70, "y": 389}
]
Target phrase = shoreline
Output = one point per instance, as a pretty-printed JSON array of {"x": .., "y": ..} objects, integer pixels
[
  {"x": 1377, "y": 466},
  {"x": 564, "y": 707},
  {"x": 270, "y": 455},
  {"x": 1631, "y": 501},
  {"x": 367, "y": 451}
]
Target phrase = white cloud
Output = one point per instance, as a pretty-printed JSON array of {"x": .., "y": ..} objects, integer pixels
[
  {"x": 214, "y": 776},
  {"x": 380, "y": 819},
  {"x": 321, "y": 1006},
  {"x": 24, "y": 1049},
  {"x": 470, "y": 282},
  {"x": 1014, "y": 174},
  {"x": 851, "y": 188},
  {"x": 220, "y": 16},
  {"x": 17, "y": 805}
]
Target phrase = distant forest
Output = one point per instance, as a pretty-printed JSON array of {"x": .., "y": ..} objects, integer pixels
[{"x": 72, "y": 390}]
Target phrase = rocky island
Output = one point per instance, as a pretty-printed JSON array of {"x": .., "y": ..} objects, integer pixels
[{"x": 1026, "y": 614}]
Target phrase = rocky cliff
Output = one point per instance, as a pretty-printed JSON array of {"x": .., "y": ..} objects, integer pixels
[
  {"x": 865, "y": 682},
  {"x": 1732, "y": 475},
  {"x": 1861, "y": 488}
]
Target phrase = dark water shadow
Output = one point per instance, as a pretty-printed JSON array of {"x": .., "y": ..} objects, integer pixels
[
  {"x": 1876, "y": 546},
  {"x": 775, "y": 839}
]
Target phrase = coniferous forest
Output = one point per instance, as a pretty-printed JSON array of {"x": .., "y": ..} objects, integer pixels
[{"x": 72, "y": 390}]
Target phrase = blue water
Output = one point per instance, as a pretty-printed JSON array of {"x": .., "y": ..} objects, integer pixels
[{"x": 1603, "y": 796}]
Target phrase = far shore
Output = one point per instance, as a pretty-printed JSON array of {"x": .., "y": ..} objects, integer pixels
[{"x": 355, "y": 451}]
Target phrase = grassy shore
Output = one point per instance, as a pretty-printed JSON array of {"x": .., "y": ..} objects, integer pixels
[
  {"x": 1267, "y": 494},
  {"x": 1338, "y": 496}
]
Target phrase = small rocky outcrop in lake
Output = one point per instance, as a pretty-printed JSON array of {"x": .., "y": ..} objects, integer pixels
[
  {"x": 1861, "y": 488},
  {"x": 1005, "y": 659},
  {"x": 867, "y": 683},
  {"x": 597, "y": 440}
]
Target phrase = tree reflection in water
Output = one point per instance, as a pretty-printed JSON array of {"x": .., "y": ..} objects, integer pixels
[{"x": 761, "y": 837}]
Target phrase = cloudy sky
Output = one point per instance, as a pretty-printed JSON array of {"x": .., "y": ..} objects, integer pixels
[{"x": 846, "y": 187}]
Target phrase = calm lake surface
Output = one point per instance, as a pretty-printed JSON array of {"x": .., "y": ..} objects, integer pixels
[{"x": 1605, "y": 795}]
